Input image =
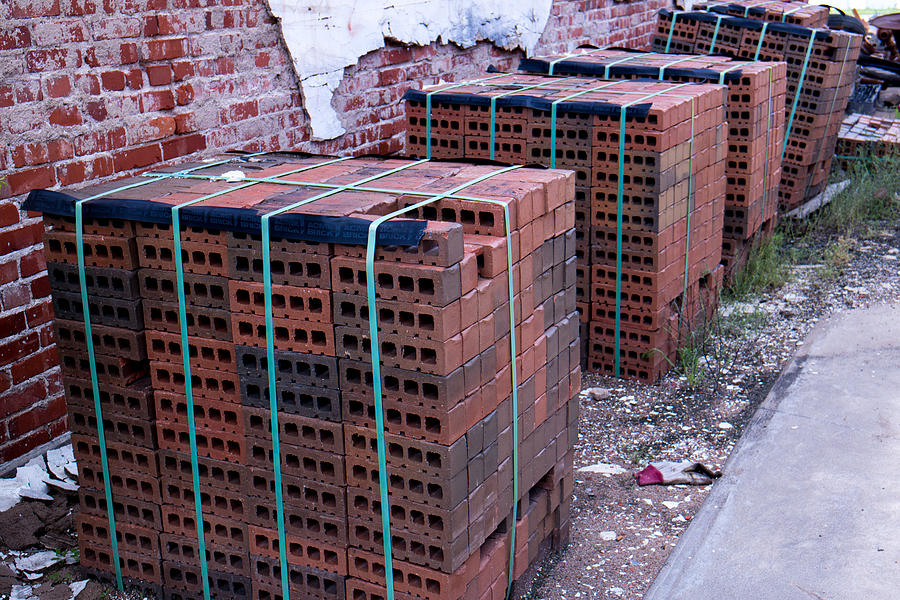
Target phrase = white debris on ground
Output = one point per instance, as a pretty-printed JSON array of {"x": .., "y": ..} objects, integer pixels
[
  {"x": 31, "y": 480},
  {"x": 621, "y": 534},
  {"x": 603, "y": 469},
  {"x": 37, "y": 562},
  {"x": 28, "y": 482},
  {"x": 36, "y": 532}
]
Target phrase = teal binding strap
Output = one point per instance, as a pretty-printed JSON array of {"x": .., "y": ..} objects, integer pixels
[
  {"x": 750, "y": 6},
  {"x": 515, "y": 91},
  {"x": 712, "y": 45},
  {"x": 671, "y": 31},
  {"x": 189, "y": 392},
  {"x": 710, "y": 7},
  {"x": 621, "y": 191},
  {"x": 762, "y": 36},
  {"x": 376, "y": 373},
  {"x": 662, "y": 69},
  {"x": 726, "y": 72},
  {"x": 626, "y": 59},
  {"x": 768, "y": 150},
  {"x": 831, "y": 108},
  {"x": 95, "y": 388},
  {"x": 428, "y": 107},
  {"x": 270, "y": 344},
  {"x": 690, "y": 209},
  {"x": 552, "y": 64},
  {"x": 785, "y": 14},
  {"x": 787, "y": 133},
  {"x": 89, "y": 340},
  {"x": 553, "y": 106}
]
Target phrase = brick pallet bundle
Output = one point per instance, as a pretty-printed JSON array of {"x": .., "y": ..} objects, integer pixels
[
  {"x": 866, "y": 137},
  {"x": 639, "y": 287},
  {"x": 453, "y": 430},
  {"x": 821, "y": 69},
  {"x": 773, "y": 11},
  {"x": 755, "y": 123}
]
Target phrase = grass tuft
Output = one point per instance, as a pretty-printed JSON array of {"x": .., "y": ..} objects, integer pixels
[
  {"x": 871, "y": 196},
  {"x": 768, "y": 267}
]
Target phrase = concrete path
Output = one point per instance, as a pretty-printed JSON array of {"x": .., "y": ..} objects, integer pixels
[{"x": 809, "y": 506}]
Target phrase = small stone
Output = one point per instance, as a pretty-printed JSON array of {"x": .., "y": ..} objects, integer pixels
[
  {"x": 790, "y": 297},
  {"x": 725, "y": 425},
  {"x": 608, "y": 536},
  {"x": 670, "y": 504},
  {"x": 603, "y": 469},
  {"x": 597, "y": 393}
]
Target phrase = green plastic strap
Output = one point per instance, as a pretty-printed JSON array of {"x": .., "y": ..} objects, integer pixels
[
  {"x": 552, "y": 64},
  {"x": 671, "y": 31},
  {"x": 428, "y": 107},
  {"x": 834, "y": 98},
  {"x": 95, "y": 388},
  {"x": 270, "y": 343},
  {"x": 89, "y": 340},
  {"x": 560, "y": 59},
  {"x": 768, "y": 128},
  {"x": 715, "y": 37},
  {"x": 553, "y": 106},
  {"x": 620, "y": 202},
  {"x": 725, "y": 72},
  {"x": 518, "y": 89},
  {"x": 748, "y": 7},
  {"x": 785, "y": 14},
  {"x": 626, "y": 59},
  {"x": 762, "y": 36},
  {"x": 864, "y": 158},
  {"x": 809, "y": 47},
  {"x": 662, "y": 69},
  {"x": 690, "y": 208},
  {"x": 376, "y": 372}
]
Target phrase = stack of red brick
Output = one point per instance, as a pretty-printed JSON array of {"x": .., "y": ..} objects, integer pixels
[
  {"x": 672, "y": 199},
  {"x": 755, "y": 116},
  {"x": 792, "y": 12},
  {"x": 443, "y": 311},
  {"x": 865, "y": 137},
  {"x": 821, "y": 68}
]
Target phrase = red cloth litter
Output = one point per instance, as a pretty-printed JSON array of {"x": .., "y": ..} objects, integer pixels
[{"x": 649, "y": 476}]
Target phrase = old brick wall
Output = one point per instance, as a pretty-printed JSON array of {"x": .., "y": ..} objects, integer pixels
[{"x": 93, "y": 90}]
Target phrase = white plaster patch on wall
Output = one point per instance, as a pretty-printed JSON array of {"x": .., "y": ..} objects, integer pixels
[{"x": 325, "y": 36}]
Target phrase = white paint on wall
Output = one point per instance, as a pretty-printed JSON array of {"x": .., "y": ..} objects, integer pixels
[{"x": 325, "y": 36}]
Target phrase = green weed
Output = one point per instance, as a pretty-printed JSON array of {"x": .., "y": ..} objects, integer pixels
[
  {"x": 637, "y": 455},
  {"x": 871, "y": 196},
  {"x": 768, "y": 267},
  {"x": 837, "y": 256}
]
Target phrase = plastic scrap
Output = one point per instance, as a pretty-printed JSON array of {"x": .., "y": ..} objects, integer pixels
[{"x": 673, "y": 473}]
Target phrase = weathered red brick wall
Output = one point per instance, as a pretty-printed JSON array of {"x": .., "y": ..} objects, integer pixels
[{"x": 92, "y": 90}]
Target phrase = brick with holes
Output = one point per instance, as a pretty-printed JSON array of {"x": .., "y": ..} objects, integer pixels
[{"x": 445, "y": 278}]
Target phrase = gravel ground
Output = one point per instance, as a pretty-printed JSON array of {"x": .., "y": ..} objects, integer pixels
[{"x": 622, "y": 534}]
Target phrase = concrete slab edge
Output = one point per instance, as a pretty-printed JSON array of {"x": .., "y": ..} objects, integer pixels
[{"x": 666, "y": 582}]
